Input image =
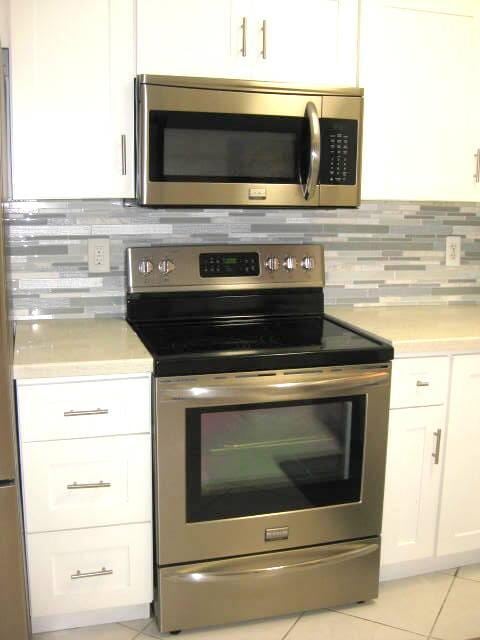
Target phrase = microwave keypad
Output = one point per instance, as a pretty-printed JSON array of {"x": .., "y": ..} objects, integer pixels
[
  {"x": 215, "y": 265},
  {"x": 339, "y": 151}
]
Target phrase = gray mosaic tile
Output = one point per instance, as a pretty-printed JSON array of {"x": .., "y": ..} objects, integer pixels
[{"x": 381, "y": 253}]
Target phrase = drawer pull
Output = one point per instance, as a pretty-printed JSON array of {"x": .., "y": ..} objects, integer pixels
[
  {"x": 92, "y": 412},
  {"x": 436, "y": 454},
  {"x": 91, "y": 574},
  {"x": 421, "y": 383},
  {"x": 89, "y": 485}
]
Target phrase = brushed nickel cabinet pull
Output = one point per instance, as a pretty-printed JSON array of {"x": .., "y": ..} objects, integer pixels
[
  {"x": 264, "y": 39},
  {"x": 91, "y": 412},
  {"x": 124, "y": 154},
  {"x": 438, "y": 438},
  {"x": 421, "y": 383},
  {"x": 89, "y": 485},
  {"x": 91, "y": 574},
  {"x": 244, "y": 36},
  {"x": 476, "y": 175}
]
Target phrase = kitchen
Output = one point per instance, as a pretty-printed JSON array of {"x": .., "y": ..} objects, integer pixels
[{"x": 386, "y": 262}]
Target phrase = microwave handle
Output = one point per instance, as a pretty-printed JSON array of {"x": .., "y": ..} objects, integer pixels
[{"x": 314, "y": 155}]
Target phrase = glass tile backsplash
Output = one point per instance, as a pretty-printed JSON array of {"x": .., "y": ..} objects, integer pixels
[{"x": 382, "y": 253}]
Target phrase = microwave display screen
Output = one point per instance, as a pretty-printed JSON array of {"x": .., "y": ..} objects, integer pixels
[{"x": 194, "y": 147}]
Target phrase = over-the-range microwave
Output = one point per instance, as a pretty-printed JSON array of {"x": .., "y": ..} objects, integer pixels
[{"x": 213, "y": 142}]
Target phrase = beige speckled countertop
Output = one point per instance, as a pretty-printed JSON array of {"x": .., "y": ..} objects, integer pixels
[
  {"x": 422, "y": 329},
  {"x": 57, "y": 348}
]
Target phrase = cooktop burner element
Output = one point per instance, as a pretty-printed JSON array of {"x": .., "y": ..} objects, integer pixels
[{"x": 223, "y": 308}]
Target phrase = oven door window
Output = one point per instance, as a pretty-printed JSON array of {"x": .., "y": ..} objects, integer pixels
[
  {"x": 195, "y": 147},
  {"x": 265, "y": 458}
]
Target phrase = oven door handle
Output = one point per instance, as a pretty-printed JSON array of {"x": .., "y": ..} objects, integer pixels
[
  {"x": 311, "y": 181},
  {"x": 260, "y": 386},
  {"x": 221, "y": 569}
]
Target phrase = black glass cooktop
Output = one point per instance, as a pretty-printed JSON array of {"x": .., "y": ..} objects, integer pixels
[{"x": 240, "y": 345}]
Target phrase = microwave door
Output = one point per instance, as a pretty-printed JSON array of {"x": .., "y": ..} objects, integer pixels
[{"x": 312, "y": 170}]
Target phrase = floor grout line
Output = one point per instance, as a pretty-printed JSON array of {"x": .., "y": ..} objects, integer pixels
[
  {"x": 443, "y": 604},
  {"x": 382, "y": 624},
  {"x": 290, "y": 629}
]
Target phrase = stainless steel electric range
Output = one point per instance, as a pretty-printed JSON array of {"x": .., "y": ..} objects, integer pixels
[{"x": 270, "y": 434}]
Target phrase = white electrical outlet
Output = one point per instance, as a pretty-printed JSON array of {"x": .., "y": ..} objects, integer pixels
[
  {"x": 453, "y": 247},
  {"x": 98, "y": 255}
]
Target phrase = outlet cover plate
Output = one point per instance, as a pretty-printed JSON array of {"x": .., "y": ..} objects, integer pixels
[
  {"x": 99, "y": 255},
  {"x": 453, "y": 248}
]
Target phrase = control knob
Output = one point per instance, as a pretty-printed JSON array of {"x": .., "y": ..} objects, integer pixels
[
  {"x": 166, "y": 266},
  {"x": 145, "y": 266},
  {"x": 290, "y": 263},
  {"x": 308, "y": 263},
  {"x": 272, "y": 263}
]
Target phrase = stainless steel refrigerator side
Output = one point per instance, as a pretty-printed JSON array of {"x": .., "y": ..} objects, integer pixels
[
  {"x": 14, "y": 613},
  {"x": 14, "y": 609}
]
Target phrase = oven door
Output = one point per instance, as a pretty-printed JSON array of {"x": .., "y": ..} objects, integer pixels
[
  {"x": 256, "y": 462},
  {"x": 210, "y": 147}
]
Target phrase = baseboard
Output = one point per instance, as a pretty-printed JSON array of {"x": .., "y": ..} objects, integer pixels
[
  {"x": 427, "y": 565},
  {"x": 88, "y": 618}
]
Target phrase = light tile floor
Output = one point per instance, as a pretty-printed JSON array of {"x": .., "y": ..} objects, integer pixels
[{"x": 440, "y": 606}]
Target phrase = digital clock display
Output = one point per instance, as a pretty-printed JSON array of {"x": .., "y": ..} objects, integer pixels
[{"x": 221, "y": 265}]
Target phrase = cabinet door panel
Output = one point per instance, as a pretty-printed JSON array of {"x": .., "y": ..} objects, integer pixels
[
  {"x": 418, "y": 65},
  {"x": 313, "y": 42},
  {"x": 412, "y": 484},
  {"x": 459, "y": 528},
  {"x": 189, "y": 37},
  {"x": 72, "y": 66}
]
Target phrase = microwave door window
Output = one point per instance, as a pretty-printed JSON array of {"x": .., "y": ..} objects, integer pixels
[
  {"x": 190, "y": 147},
  {"x": 264, "y": 459}
]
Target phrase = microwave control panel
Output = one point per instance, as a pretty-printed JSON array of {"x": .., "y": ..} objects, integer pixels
[{"x": 338, "y": 160}]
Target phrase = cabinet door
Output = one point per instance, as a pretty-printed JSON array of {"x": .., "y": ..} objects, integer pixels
[
  {"x": 459, "y": 528},
  {"x": 311, "y": 41},
  {"x": 412, "y": 484},
  {"x": 72, "y": 68},
  {"x": 419, "y": 68},
  {"x": 192, "y": 37}
]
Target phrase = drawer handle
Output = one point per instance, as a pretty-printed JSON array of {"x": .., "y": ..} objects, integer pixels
[
  {"x": 92, "y": 412},
  {"x": 89, "y": 485},
  {"x": 91, "y": 574},
  {"x": 420, "y": 383},
  {"x": 436, "y": 454}
]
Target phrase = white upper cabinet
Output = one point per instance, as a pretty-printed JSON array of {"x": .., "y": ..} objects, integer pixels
[
  {"x": 186, "y": 38},
  {"x": 72, "y": 69},
  {"x": 419, "y": 67},
  {"x": 311, "y": 41}
]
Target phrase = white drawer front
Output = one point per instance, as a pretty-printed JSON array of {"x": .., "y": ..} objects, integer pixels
[
  {"x": 81, "y": 409},
  {"x": 89, "y": 569},
  {"x": 418, "y": 382},
  {"x": 85, "y": 483}
]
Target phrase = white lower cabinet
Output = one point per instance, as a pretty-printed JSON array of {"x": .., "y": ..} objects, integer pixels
[
  {"x": 459, "y": 528},
  {"x": 85, "y": 450},
  {"x": 87, "y": 569},
  {"x": 430, "y": 516},
  {"x": 412, "y": 483},
  {"x": 87, "y": 483}
]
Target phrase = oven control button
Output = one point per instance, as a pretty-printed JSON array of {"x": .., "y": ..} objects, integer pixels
[
  {"x": 145, "y": 267},
  {"x": 272, "y": 263},
  {"x": 290, "y": 263},
  {"x": 308, "y": 263},
  {"x": 166, "y": 266}
]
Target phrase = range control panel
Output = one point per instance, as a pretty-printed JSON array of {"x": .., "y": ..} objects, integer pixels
[
  {"x": 214, "y": 265},
  {"x": 177, "y": 268},
  {"x": 338, "y": 165}
]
